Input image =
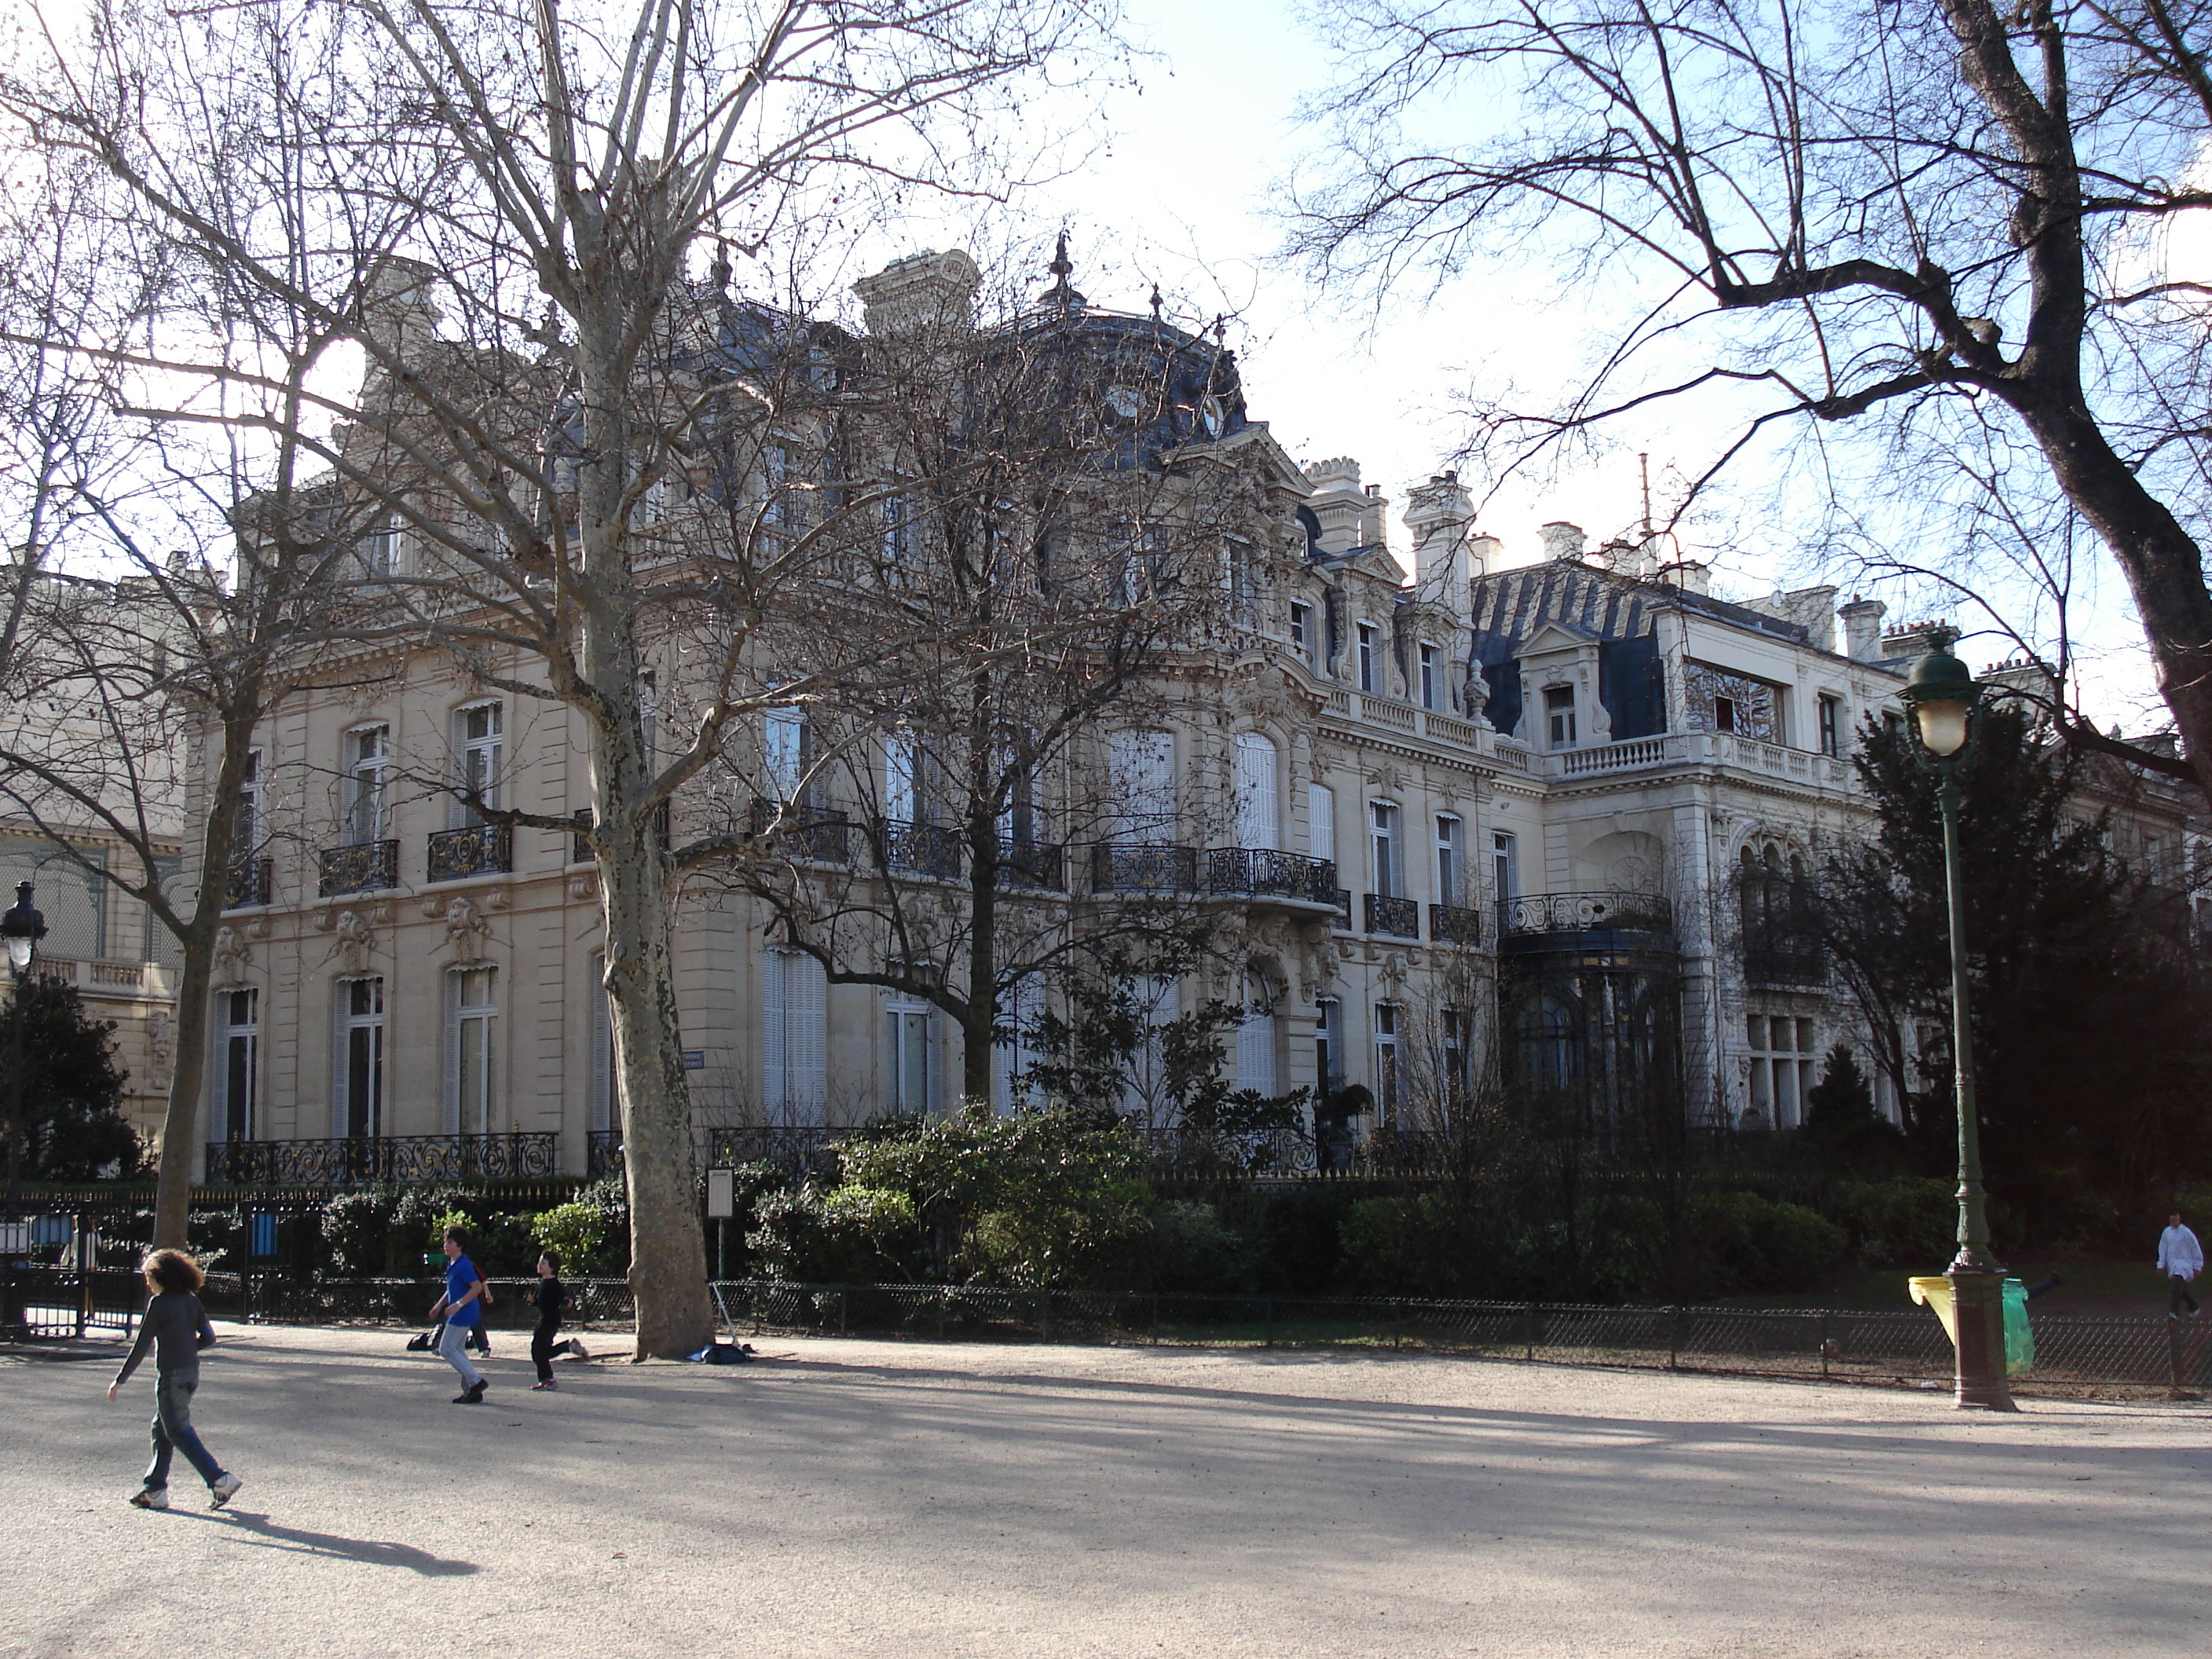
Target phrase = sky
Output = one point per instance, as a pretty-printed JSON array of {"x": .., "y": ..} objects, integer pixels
[{"x": 1180, "y": 191}]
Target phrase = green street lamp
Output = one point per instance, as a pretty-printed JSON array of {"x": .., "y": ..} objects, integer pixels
[
  {"x": 21, "y": 928},
  {"x": 1942, "y": 696}
]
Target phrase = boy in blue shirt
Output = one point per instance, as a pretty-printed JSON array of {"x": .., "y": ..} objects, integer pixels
[{"x": 461, "y": 1307}]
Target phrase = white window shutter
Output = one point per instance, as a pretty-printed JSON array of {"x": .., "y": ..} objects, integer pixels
[
  {"x": 775, "y": 1063},
  {"x": 340, "y": 991},
  {"x": 1258, "y": 816},
  {"x": 452, "y": 1068},
  {"x": 806, "y": 1036},
  {"x": 1320, "y": 821},
  {"x": 1143, "y": 777}
]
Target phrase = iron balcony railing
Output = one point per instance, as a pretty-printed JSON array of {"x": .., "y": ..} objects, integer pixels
[
  {"x": 602, "y": 1154},
  {"x": 367, "y": 1160},
  {"x": 1787, "y": 964},
  {"x": 1257, "y": 873},
  {"x": 1033, "y": 864},
  {"x": 1398, "y": 918},
  {"x": 918, "y": 849},
  {"x": 1144, "y": 869},
  {"x": 248, "y": 883},
  {"x": 1576, "y": 913},
  {"x": 482, "y": 849},
  {"x": 1456, "y": 924},
  {"x": 363, "y": 866},
  {"x": 808, "y": 834},
  {"x": 1342, "y": 899}
]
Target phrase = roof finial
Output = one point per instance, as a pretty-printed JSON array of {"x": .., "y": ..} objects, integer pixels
[
  {"x": 1156, "y": 302},
  {"x": 1220, "y": 329},
  {"x": 1060, "y": 293},
  {"x": 719, "y": 272}
]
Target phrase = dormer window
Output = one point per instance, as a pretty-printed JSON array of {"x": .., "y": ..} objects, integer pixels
[{"x": 1559, "y": 715}]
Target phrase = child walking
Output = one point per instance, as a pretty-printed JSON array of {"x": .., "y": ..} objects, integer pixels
[
  {"x": 176, "y": 1328},
  {"x": 549, "y": 1299},
  {"x": 459, "y": 1308}
]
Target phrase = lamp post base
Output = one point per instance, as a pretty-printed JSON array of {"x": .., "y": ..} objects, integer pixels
[{"x": 1977, "y": 1304}]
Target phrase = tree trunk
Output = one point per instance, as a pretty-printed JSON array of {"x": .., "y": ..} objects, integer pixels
[
  {"x": 181, "y": 1119},
  {"x": 2165, "y": 567}
]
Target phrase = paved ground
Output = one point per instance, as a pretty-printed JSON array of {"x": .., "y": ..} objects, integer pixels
[{"x": 849, "y": 1497}]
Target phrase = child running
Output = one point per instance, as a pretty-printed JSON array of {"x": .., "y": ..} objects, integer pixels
[
  {"x": 176, "y": 1328},
  {"x": 549, "y": 1299},
  {"x": 458, "y": 1309}
]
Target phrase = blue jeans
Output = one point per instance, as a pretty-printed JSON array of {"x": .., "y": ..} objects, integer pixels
[
  {"x": 173, "y": 1432},
  {"x": 453, "y": 1349}
]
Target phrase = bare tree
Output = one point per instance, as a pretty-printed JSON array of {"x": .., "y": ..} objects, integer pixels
[
  {"x": 1050, "y": 513},
  {"x": 414, "y": 179},
  {"x": 1926, "y": 221}
]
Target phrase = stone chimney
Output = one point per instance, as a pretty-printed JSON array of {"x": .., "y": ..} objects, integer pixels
[
  {"x": 1439, "y": 514},
  {"x": 1482, "y": 554},
  {"x": 1862, "y": 621},
  {"x": 1338, "y": 501},
  {"x": 399, "y": 310},
  {"x": 1687, "y": 575},
  {"x": 1563, "y": 542},
  {"x": 1913, "y": 639},
  {"x": 1373, "y": 510},
  {"x": 1812, "y": 609},
  {"x": 1621, "y": 557},
  {"x": 2025, "y": 675},
  {"x": 923, "y": 290}
]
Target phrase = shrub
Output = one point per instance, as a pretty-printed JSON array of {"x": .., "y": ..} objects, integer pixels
[
  {"x": 576, "y": 1232},
  {"x": 1758, "y": 1244},
  {"x": 356, "y": 1233},
  {"x": 1910, "y": 1222},
  {"x": 848, "y": 1234}
]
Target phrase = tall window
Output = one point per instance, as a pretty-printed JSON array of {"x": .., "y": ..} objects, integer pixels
[
  {"x": 477, "y": 745},
  {"x": 783, "y": 744},
  {"x": 1782, "y": 1067},
  {"x": 368, "y": 754},
  {"x": 1432, "y": 677},
  {"x": 1258, "y": 822},
  {"x": 1014, "y": 1051},
  {"x": 1448, "y": 859},
  {"x": 1559, "y": 715},
  {"x": 1255, "y": 1038},
  {"x": 379, "y": 549},
  {"x": 1242, "y": 576},
  {"x": 1505, "y": 867},
  {"x": 795, "y": 1037},
  {"x": 913, "y": 1058},
  {"x": 246, "y": 823},
  {"x": 1142, "y": 769},
  {"x": 902, "y": 779},
  {"x": 898, "y": 531},
  {"x": 360, "y": 1082},
  {"x": 1328, "y": 1055},
  {"x": 1369, "y": 679},
  {"x": 1320, "y": 821},
  {"x": 472, "y": 1014},
  {"x": 775, "y": 474},
  {"x": 1832, "y": 720},
  {"x": 1455, "y": 1033},
  {"x": 1389, "y": 870},
  {"x": 1386, "y": 1062},
  {"x": 1301, "y": 631},
  {"x": 238, "y": 1062}
]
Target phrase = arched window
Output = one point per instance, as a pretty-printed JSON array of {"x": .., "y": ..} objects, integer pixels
[{"x": 1141, "y": 765}]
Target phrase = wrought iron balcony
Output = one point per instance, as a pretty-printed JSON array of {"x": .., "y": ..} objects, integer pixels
[
  {"x": 1786, "y": 961},
  {"x": 1257, "y": 873},
  {"x": 248, "y": 883},
  {"x": 808, "y": 834},
  {"x": 1144, "y": 869},
  {"x": 580, "y": 846},
  {"x": 918, "y": 849},
  {"x": 1455, "y": 924},
  {"x": 361, "y": 868},
  {"x": 1032, "y": 864},
  {"x": 484, "y": 849},
  {"x": 1576, "y": 913},
  {"x": 354, "y": 1160},
  {"x": 795, "y": 1149},
  {"x": 1399, "y": 918}
]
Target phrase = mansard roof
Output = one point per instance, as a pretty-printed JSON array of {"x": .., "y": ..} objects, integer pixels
[{"x": 1510, "y": 605}]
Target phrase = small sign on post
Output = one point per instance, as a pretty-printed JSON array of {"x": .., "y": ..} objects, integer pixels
[{"x": 721, "y": 1194}]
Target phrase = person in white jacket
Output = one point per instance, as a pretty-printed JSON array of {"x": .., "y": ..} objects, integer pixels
[{"x": 2180, "y": 1258}]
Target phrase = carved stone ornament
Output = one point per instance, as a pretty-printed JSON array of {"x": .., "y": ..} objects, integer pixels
[
  {"x": 581, "y": 887},
  {"x": 231, "y": 956},
  {"x": 355, "y": 940},
  {"x": 1386, "y": 775},
  {"x": 1476, "y": 693},
  {"x": 161, "y": 1046},
  {"x": 465, "y": 931}
]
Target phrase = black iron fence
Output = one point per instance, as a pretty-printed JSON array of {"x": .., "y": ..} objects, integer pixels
[
  {"x": 1260, "y": 872},
  {"x": 1575, "y": 912},
  {"x": 356, "y": 1160},
  {"x": 365, "y": 867},
  {"x": 2074, "y": 1356},
  {"x": 248, "y": 883},
  {"x": 1144, "y": 869},
  {"x": 1397, "y": 918}
]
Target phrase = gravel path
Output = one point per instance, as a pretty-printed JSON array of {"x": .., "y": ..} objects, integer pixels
[{"x": 849, "y": 1497}]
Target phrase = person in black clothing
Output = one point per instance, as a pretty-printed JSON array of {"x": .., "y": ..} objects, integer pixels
[
  {"x": 549, "y": 1299},
  {"x": 176, "y": 1328}
]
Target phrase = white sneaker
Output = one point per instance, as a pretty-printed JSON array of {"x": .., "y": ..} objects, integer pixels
[
  {"x": 223, "y": 1491},
  {"x": 150, "y": 1497}
]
